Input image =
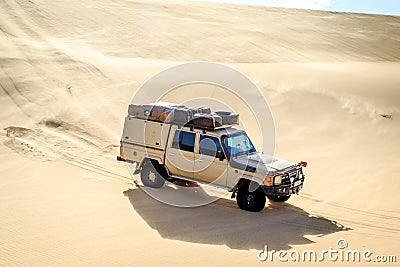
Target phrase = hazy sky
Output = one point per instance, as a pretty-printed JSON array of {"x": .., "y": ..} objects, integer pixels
[{"x": 363, "y": 6}]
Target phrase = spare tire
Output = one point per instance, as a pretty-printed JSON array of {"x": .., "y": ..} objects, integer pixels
[{"x": 228, "y": 118}]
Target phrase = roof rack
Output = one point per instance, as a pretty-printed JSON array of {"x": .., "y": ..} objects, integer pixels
[{"x": 196, "y": 126}]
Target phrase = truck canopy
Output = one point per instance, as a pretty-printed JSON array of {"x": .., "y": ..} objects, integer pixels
[{"x": 145, "y": 133}]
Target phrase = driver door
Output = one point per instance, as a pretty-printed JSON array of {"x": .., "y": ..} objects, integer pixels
[{"x": 210, "y": 163}]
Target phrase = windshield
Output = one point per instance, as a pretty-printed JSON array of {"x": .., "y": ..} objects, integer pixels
[{"x": 239, "y": 144}]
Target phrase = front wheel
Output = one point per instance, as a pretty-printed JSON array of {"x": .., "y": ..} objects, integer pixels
[
  {"x": 250, "y": 201},
  {"x": 277, "y": 198},
  {"x": 150, "y": 176}
]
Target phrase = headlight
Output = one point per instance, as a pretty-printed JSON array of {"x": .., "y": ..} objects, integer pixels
[
  {"x": 278, "y": 179},
  {"x": 268, "y": 180}
]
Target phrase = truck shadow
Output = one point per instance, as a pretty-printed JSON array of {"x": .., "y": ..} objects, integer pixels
[{"x": 223, "y": 223}]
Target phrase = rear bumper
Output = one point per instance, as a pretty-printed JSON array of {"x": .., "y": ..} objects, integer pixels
[
  {"x": 126, "y": 160},
  {"x": 285, "y": 189}
]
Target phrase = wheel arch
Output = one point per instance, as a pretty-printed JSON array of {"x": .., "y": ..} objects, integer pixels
[
  {"x": 154, "y": 160},
  {"x": 157, "y": 164},
  {"x": 246, "y": 180}
]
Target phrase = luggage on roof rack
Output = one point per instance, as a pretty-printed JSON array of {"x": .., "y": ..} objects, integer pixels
[
  {"x": 155, "y": 112},
  {"x": 228, "y": 118},
  {"x": 206, "y": 120},
  {"x": 203, "y": 110},
  {"x": 182, "y": 115}
]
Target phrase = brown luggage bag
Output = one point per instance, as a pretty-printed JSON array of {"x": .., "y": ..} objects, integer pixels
[
  {"x": 206, "y": 120},
  {"x": 154, "y": 112}
]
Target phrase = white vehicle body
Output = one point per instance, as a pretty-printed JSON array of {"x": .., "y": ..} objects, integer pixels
[{"x": 186, "y": 152}]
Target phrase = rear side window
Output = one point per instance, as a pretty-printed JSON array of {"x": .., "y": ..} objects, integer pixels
[
  {"x": 184, "y": 141},
  {"x": 209, "y": 145}
]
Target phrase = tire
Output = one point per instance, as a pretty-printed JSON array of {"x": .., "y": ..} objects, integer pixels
[
  {"x": 228, "y": 118},
  {"x": 250, "y": 201},
  {"x": 276, "y": 198},
  {"x": 150, "y": 175}
]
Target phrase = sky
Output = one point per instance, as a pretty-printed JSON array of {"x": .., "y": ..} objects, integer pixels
[{"x": 390, "y": 7}]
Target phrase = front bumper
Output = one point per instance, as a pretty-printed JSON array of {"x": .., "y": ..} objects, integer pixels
[
  {"x": 282, "y": 190},
  {"x": 287, "y": 188}
]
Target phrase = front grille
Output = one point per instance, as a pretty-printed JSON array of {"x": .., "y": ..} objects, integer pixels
[
  {"x": 291, "y": 175},
  {"x": 294, "y": 174}
]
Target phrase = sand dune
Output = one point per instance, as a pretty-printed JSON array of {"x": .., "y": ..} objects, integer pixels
[{"x": 68, "y": 71}]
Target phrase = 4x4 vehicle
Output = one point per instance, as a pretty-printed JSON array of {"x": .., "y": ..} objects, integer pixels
[{"x": 206, "y": 148}]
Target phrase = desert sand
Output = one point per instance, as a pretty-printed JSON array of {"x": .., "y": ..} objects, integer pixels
[{"x": 68, "y": 70}]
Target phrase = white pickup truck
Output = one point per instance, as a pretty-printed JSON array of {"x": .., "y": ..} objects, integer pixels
[{"x": 222, "y": 156}]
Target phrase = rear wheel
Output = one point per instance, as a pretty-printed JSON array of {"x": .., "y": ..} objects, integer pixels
[
  {"x": 250, "y": 201},
  {"x": 276, "y": 198},
  {"x": 150, "y": 175}
]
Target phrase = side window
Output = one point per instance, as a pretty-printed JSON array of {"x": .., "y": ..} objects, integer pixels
[
  {"x": 184, "y": 141},
  {"x": 209, "y": 145},
  {"x": 228, "y": 145}
]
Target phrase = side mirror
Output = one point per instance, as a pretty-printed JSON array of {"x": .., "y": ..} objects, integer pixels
[{"x": 220, "y": 155}]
